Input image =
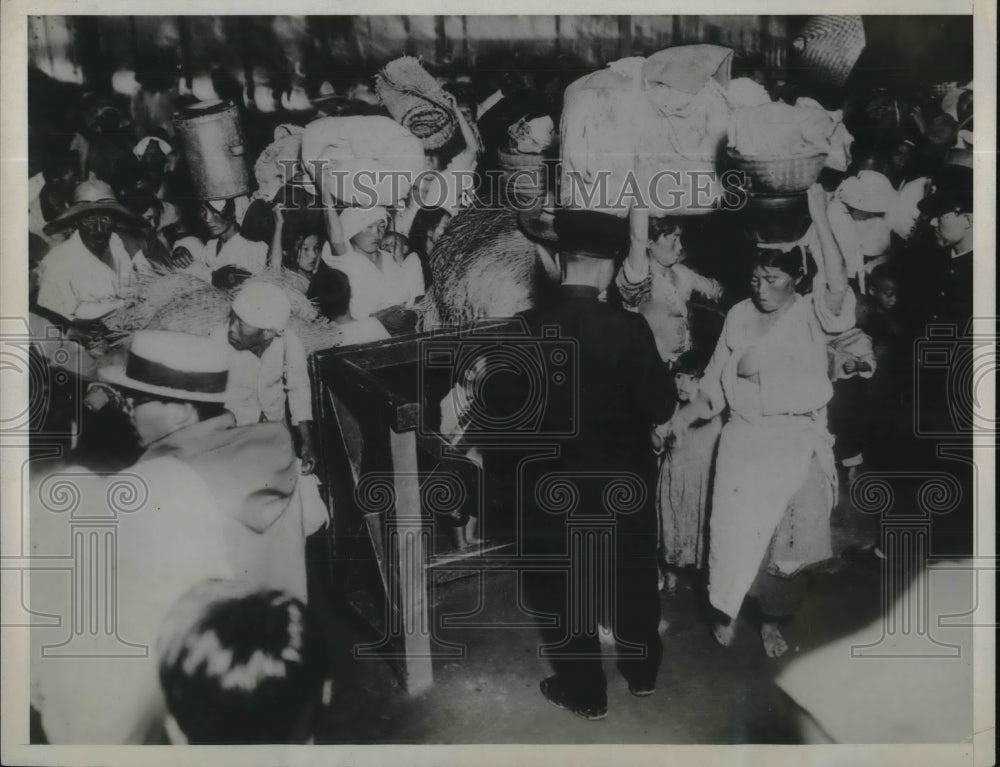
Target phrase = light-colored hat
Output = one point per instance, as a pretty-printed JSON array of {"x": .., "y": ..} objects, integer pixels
[
  {"x": 91, "y": 196},
  {"x": 263, "y": 305},
  {"x": 869, "y": 191},
  {"x": 354, "y": 220},
  {"x": 140, "y": 149},
  {"x": 174, "y": 365}
]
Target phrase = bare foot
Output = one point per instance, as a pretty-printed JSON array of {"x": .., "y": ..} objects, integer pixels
[
  {"x": 724, "y": 632},
  {"x": 670, "y": 584},
  {"x": 774, "y": 644}
]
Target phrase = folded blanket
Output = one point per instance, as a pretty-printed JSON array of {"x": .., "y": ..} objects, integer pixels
[{"x": 370, "y": 146}]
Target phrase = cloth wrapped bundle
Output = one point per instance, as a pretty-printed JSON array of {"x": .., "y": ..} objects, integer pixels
[
  {"x": 272, "y": 166},
  {"x": 782, "y": 130},
  {"x": 345, "y": 147},
  {"x": 416, "y": 101},
  {"x": 665, "y": 115}
]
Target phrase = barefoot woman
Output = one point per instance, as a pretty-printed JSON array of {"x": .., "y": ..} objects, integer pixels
[{"x": 775, "y": 475}]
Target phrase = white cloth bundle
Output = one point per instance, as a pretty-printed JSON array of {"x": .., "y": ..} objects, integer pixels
[
  {"x": 781, "y": 130},
  {"x": 358, "y": 153},
  {"x": 666, "y": 115}
]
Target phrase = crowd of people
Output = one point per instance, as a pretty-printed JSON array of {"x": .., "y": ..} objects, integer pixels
[{"x": 742, "y": 441}]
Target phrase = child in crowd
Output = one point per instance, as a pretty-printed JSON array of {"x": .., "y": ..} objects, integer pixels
[
  {"x": 878, "y": 315},
  {"x": 685, "y": 486},
  {"x": 653, "y": 282},
  {"x": 241, "y": 664},
  {"x": 331, "y": 291}
]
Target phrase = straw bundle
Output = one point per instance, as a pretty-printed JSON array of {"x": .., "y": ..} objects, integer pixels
[
  {"x": 483, "y": 266},
  {"x": 416, "y": 101},
  {"x": 198, "y": 312},
  {"x": 149, "y": 293}
]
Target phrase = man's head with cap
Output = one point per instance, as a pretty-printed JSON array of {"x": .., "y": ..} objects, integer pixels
[
  {"x": 260, "y": 312},
  {"x": 949, "y": 207},
  {"x": 587, "y": 241},
  {"x": 170, "y": 381}
]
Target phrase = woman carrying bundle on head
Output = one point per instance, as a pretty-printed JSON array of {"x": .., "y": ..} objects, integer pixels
[{"x": 775, "y": 477}]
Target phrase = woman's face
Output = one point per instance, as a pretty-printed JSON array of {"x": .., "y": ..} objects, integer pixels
[
  {"x": 214, "y": 221},
  {"x": 307, "y": 256},
  {"x": 368, "y": 239},
  {"x": 687, "y": 386},
  {"x": 435, "y": 234},
  {"x": 152, "y": 217},
  {"x": 666, "y": 250},
  {"x": 771, "y": 287}
]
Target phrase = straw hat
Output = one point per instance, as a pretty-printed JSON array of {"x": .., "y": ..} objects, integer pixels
[
  {"x": 173, "y": 365},
  {"x": 93, "y": 196}
]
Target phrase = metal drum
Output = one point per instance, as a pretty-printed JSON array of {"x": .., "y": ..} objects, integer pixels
[{"x": 212, "y": 141}]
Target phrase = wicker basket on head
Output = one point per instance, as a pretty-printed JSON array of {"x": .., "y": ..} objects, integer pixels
[
  {"x": 780, "y": 175},
  {"x": 416, "y": 101},
  {"x": 831, "y": 46}
]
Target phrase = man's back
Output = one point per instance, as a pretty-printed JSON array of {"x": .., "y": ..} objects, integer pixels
[{"x": 621, "y": 384}]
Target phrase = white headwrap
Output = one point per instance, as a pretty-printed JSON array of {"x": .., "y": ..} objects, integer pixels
[
  {"x": 263, "y": 305},
  {"x": 354, "y": 220}
]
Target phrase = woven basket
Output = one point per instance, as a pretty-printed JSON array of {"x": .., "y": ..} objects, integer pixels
[
  {"x": 831, "y": 46},
  {"x": 780, "y": 175},
  {"x": 519, "y": 161},
  {"x": 523, "y": 177}
]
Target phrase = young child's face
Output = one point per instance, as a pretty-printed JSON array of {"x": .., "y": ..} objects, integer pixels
[
  {"x": 687, "y": 386},
  {"x": 886, "y": 295}
]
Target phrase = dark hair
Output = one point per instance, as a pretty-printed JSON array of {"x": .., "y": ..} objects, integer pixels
[
  {"x": 141, "y": 200},
  {"x": 691, "y": 363},
  {"x": 425, "y": 221},
  {"x": 292, "y": 239},
  {"x": 239, "y": 664},
  {"x": 789, "y": 262},
  {"x": 881, "y": 274},
  {"x": 330, "y": 290},
  {"x": 663, "y": 225},
  {"x": 59, "y": 161}
]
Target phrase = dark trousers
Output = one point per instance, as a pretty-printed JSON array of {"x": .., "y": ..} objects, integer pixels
[{"x": 629, "y": 577}]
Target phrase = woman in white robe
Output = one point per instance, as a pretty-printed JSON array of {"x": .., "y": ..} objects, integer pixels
[{"x": 775, "y": 476}]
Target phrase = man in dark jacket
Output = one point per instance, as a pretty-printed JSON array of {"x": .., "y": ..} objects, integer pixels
[{"x": 606, "y": 463}]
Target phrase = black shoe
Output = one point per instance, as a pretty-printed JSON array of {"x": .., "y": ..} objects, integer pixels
[
  {"x": 642, "y": 690},
  {"x": 556, "y": 695}
]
